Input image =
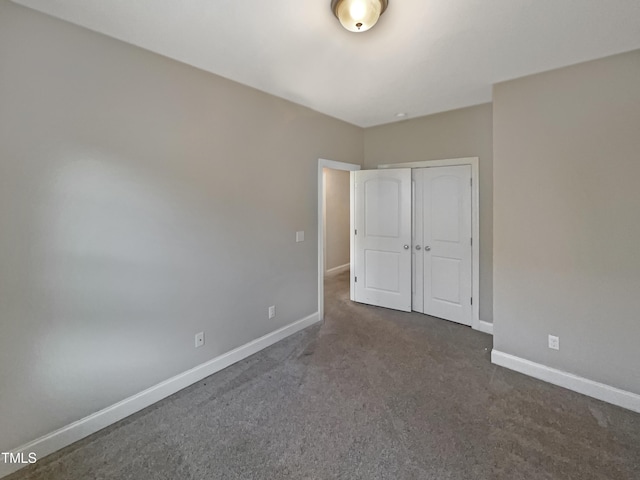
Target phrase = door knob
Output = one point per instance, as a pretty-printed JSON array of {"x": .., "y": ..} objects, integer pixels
[
  {"x": 418, "y": 247},
  {"x": 427, "y": 248},
  {"x": 406, "y": 247}
]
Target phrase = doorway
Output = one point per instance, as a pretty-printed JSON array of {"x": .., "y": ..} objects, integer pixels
[
  {"x": 336, "y": 221},
  {"x": 322, "y": 240}
]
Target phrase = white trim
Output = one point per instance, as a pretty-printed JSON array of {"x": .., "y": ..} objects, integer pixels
[
  {"x": 338, "y": 269},
  {"x": 75, "y": 431},
  {"x": 323, "y": 163},
  {"x": 352, "y": 243},
  {"x": 324, "y": 221},
  {"x": 601, "y": 391},
  {"x": 475, "y": 221},
  {"x": 447, "y": 162},
  {"x": 486, "y": 327}
]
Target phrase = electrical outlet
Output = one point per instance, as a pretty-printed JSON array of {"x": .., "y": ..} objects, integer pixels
[
  {"x": 300, "y": 236},
  {"x": 554, "y": 342},
  {"x": 199, "y": 339},
  {"x": 272, "y": 311}
]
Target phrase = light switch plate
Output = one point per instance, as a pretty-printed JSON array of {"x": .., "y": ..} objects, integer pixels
[{"x": 300, "y": 236}]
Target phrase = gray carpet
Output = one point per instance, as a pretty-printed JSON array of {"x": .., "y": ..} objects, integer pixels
[{"x": 371, "y": 394}]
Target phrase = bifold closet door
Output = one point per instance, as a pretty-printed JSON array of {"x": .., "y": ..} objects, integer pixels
[
  {"x": 446, "y": 242},
  {"x": 382, "y": 237}
]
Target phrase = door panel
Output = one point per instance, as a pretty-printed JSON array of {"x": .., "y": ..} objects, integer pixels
[
  {"x": 382, "y": 270},
  {"x": 445, "y": 279},
  {"x": 383, "y": 229},
  {"x": 445, "y": 215},
  {"x": 447, "y": 242},
  {"x": 382, "y": 207}
]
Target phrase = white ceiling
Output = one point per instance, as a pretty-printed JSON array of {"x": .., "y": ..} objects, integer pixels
[{"x": 423, "y": 56}]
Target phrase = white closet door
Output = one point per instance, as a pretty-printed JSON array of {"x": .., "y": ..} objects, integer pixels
[
  {"x": 382, "y": 238},
  {"x": 446, "y": 245}
]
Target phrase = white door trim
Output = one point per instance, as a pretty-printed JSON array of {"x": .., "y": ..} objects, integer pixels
[
  {"x": 349, "y": 167},
  {"x": 476, "y": 324}
]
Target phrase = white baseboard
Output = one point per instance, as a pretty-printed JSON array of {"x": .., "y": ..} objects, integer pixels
[
  {"x": 486, "y": 327},
  {"x": 73, "y": 432},
  {"x": 338, "y": 269},
  {"x": 601, "y": 391}
]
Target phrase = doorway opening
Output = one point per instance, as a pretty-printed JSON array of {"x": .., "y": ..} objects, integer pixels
[{"x": 331, "y": 173}]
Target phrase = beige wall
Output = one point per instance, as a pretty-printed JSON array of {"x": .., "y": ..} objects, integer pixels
[
  {"x": 466, "y": 132},
  {"x": 567, "y": 218},
  {"x": 141, "y": 201},
  {"x": 336, "y": 230}
]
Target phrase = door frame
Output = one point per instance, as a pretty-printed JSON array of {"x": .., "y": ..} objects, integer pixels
[
  {"x": 476, "y": 323},
  {"x": 349, "y": 167}
]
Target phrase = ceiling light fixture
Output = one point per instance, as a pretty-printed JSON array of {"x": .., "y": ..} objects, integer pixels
[{"x": 358, "y": 15}]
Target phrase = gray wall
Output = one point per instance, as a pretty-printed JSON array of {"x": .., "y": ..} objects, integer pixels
[
  {"x": 336, "y": 218},
  {"x": 141, "y": 201},
  {"x": 567, "y": 218},
  {"x": 466, "y": 132}
]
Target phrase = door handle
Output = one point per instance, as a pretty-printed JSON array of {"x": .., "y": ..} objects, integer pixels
[
  {"x": 418, "y": 247},
  {"x": 427, "y": 248},
  {"x": 406, "y": 247}
]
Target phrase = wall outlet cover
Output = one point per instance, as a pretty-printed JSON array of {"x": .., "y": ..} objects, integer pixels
[
  {"x": 199, "y": 339},
  {"x": 554, "y": 342},
  {"x": 272, "y": 311}
]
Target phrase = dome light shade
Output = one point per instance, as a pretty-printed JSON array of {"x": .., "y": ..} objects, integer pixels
[{"x": 358, "y": 15}]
